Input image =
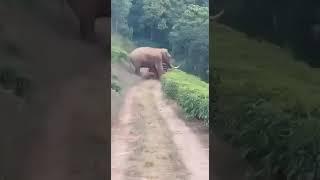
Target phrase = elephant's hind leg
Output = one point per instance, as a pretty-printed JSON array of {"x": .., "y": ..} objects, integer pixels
[
  {"x": 159, "y": 70},
  {"x": 156, "y": 72},
  {"x": 153, "y": 71}
]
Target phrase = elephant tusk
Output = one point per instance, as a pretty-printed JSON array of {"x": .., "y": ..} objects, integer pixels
[{"x": 175, "y": 67}]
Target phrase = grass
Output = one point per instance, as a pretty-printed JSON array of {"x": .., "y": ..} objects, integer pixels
[
  {"x": 267, "y": 104},
  {"x": 120, "y": 46},
  {"x": 190, "y": 92},
  {"x": 118, "y": 41}
]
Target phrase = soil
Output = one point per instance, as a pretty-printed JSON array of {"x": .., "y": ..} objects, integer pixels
[{"x": 151, "y": 141}]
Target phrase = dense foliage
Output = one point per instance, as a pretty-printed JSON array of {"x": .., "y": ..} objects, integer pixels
[
  {"x": 190, "y": 92},
  {"x": 268, "y": 105},
  {"x": 115, "y": 84},
  {"x": 293, "y": 24},
  {"x": 191, "y": 46},
  {"x": 169, "y": 24},
  {"x": 119, "y": 12}
]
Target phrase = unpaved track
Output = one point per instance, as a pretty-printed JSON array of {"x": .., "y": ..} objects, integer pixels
[{"x": 149, "y": 141}]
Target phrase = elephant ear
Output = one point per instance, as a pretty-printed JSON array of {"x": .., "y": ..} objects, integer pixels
[{"x": 165, "y": 55}]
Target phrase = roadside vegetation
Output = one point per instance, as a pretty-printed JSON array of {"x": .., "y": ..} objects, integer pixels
[
  {"x": 119, "y": 52},
  {"x": 190, "y": 92}
]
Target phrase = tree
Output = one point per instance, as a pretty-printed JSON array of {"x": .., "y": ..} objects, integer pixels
[
  {"x": 135, "y": 18},
  {"x": 155, "y": 15},
  {"x": 120, "y": 11},
  {"x": 189, "y": 40}
]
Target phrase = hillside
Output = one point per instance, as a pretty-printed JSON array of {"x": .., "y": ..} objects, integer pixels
[
  {"x": 242, "y": 62},
  {"x": 267, "y": 104}
]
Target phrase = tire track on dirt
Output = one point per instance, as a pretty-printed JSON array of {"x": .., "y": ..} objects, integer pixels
[
  {"x": 195, "y": 155},
  {"x": 145, "y": 145}
]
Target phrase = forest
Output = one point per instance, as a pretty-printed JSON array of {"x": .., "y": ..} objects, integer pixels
[{"x": 182, "y": 26}]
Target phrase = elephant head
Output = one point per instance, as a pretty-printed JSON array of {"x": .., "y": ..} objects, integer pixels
[{"x": 166, "y": 58}]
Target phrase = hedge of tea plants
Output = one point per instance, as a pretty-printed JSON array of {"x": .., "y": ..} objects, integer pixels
[
  {"x": 190, "y": 92},
  {"x": 267, "y": 105}
]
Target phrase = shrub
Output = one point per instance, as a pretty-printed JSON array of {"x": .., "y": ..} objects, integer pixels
[
  {"x": 118, "y": 54},
  {"x": 190, "y": 92}
]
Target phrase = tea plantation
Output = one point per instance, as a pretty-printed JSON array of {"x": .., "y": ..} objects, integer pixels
[{"x": 190, "y": 92}]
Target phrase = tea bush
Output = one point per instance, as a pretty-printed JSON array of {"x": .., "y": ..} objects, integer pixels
[
  {"x": 267, "y": 105},
  {"x": 190, "y": 92}
]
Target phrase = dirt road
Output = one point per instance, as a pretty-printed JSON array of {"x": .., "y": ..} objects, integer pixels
[{"x": 150, "y": 141}]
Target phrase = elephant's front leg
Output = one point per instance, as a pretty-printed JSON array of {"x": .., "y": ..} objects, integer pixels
[
  {"x": 153, "y": 70},
  {"x": 159, "y": 69}
]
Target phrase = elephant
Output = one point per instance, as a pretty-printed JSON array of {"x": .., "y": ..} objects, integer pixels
[
  {"x": 152, "y": 71},
  {"x": 150, "y": 75},
  {"x": 87, "y": 11},
  {"x": 152, "y": 58}
]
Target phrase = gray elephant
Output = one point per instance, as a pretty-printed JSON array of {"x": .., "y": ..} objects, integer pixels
[
  {"x": 87, "y": 11},
  {"x": 152, "y": 58}
]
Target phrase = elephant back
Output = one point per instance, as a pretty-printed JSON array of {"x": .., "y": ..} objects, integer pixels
[{"x": 146, "y": 52}]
